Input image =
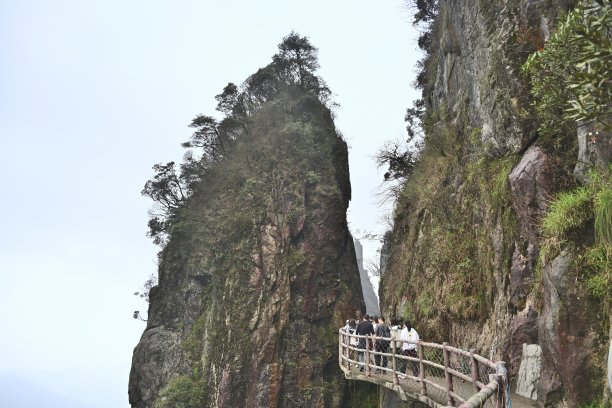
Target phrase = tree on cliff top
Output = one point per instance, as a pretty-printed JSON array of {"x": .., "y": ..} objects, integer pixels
[
  {"x": 293, "y": 67},
  {"x": 297, "y": 51},
  {"x": 298, "y": 58},
  {"x": 425, "y": 10}
]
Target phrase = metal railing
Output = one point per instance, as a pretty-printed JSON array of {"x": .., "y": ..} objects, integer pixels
[{"x": 437, "y": 374}]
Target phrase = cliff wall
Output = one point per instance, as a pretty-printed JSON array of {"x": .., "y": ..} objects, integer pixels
[
  {"x": 259, "y": 273},
  {"x": 468, "y": 260}
]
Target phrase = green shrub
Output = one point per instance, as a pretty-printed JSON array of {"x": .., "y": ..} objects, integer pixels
[
  {"x": 570, "y": 76},
  {"x": 182, "y": 392}
]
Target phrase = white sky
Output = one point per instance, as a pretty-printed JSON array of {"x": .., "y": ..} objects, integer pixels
[{"x": 92, "y": 94}]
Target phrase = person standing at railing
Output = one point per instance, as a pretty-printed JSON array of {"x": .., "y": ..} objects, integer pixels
[
  {"x": 353, "y": 341},
  {"x": 395, "y": 333},
  {"x": 409, "y": 336},
  {"x": 381, "y": 346},
  {"x": 374, "y": 320},
  {"x": 364, "y": 328},
  {"x": 345, "y": 329}
]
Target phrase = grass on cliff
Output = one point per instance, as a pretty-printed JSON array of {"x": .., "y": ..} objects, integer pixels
[
  {"x": 569, "y": 217},
  {"x": 446, "y": 260},
  {"x": 603, "y": 215},
  {"x": 569, "y": 211}
]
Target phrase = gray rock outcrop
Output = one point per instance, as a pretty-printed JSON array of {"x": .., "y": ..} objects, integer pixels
[
  {"x": 532, "y": 184},
  {"x": 566, "y": 334},
  {"x": 528, "y": 376},
  {"x": 594, "y": 149}
]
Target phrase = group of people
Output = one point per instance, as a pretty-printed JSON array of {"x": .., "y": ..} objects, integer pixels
[{"x": 400, "y": 332}]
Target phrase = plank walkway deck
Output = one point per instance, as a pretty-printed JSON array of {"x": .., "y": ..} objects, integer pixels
[
  {"x": 439, "y": 376},
  {"x": 411, "y": 389}
]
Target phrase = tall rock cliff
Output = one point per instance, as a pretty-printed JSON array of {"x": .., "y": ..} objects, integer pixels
[
  {"x": 484, "y": 252},
  {"x": 369, "y": 296},
  {"x": 259, "y": 270}
]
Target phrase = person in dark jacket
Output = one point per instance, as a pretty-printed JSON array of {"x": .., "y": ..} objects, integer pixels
[
  {"x": 365, "y": 328},
  {"x": 382, "y": 346}
]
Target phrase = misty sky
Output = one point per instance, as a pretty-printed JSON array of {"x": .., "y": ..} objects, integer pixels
[{"x": 92, "y": 94}]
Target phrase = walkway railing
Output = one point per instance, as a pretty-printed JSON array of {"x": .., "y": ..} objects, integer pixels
[{"x": 437, "y": 374}]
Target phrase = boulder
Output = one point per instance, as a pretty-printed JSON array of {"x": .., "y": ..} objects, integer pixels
[
  {"x": 531, "y": 182},
  {"x": 523, "y": 329},
  {"x": 529, "y": 372},
  {"x": 594, "y": 149},
  {"x": 566, "y": 336}
]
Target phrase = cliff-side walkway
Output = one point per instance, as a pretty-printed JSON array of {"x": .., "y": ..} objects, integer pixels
[{"x": 438, "y": 375}]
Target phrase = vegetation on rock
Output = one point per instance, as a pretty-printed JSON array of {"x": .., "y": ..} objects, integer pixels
[
  {"x": 570, "y": 215},
  {"x": 570, "y": 81},
  {"x": 571, "y": 76},
  {"x": 255, "y": 249},
  {"x": 182, "y": 392},
  {"x": 292, "y": 69},
  {"x": 470, "y": 259}
]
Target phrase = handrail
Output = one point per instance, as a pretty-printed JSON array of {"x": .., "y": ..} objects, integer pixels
[{"x": 446, "y": 376}]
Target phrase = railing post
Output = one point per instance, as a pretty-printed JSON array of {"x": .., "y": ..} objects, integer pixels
[
  {"x": 422, "y": 370},
  {"x": 449, "y": 378},
  {"x": 340, "y": 349},
  {"x": 502, "y": 378},
  {"x": 393, "y": 361},
  {"x": 367, "y": 356},
  {"x": 348, "y": 350},
  {"x": 474, "y": 365}
]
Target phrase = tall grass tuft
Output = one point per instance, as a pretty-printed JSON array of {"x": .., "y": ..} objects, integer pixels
[
  {"x": 603, "y": 216},
  {"x": 571, "y": 210}
]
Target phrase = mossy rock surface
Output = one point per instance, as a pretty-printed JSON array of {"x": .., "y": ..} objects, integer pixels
[{"x": 260, "y": 271}]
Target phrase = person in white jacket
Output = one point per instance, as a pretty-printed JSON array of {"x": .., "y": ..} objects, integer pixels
[{"x": 409, "y": 337}]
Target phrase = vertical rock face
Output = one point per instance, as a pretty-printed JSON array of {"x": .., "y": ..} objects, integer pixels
[
  {"x": 259, "y": 274},
  {"x": 370, "y": 298},
  {"x": 567, "y": 334},
  {"x": 464, "y": 256},
  {"x": 609, "y": 389},
  {"x": 531, "y": 181},
  {"x": 594, "y": 149},
  {"x": 532, "y": 184}
]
